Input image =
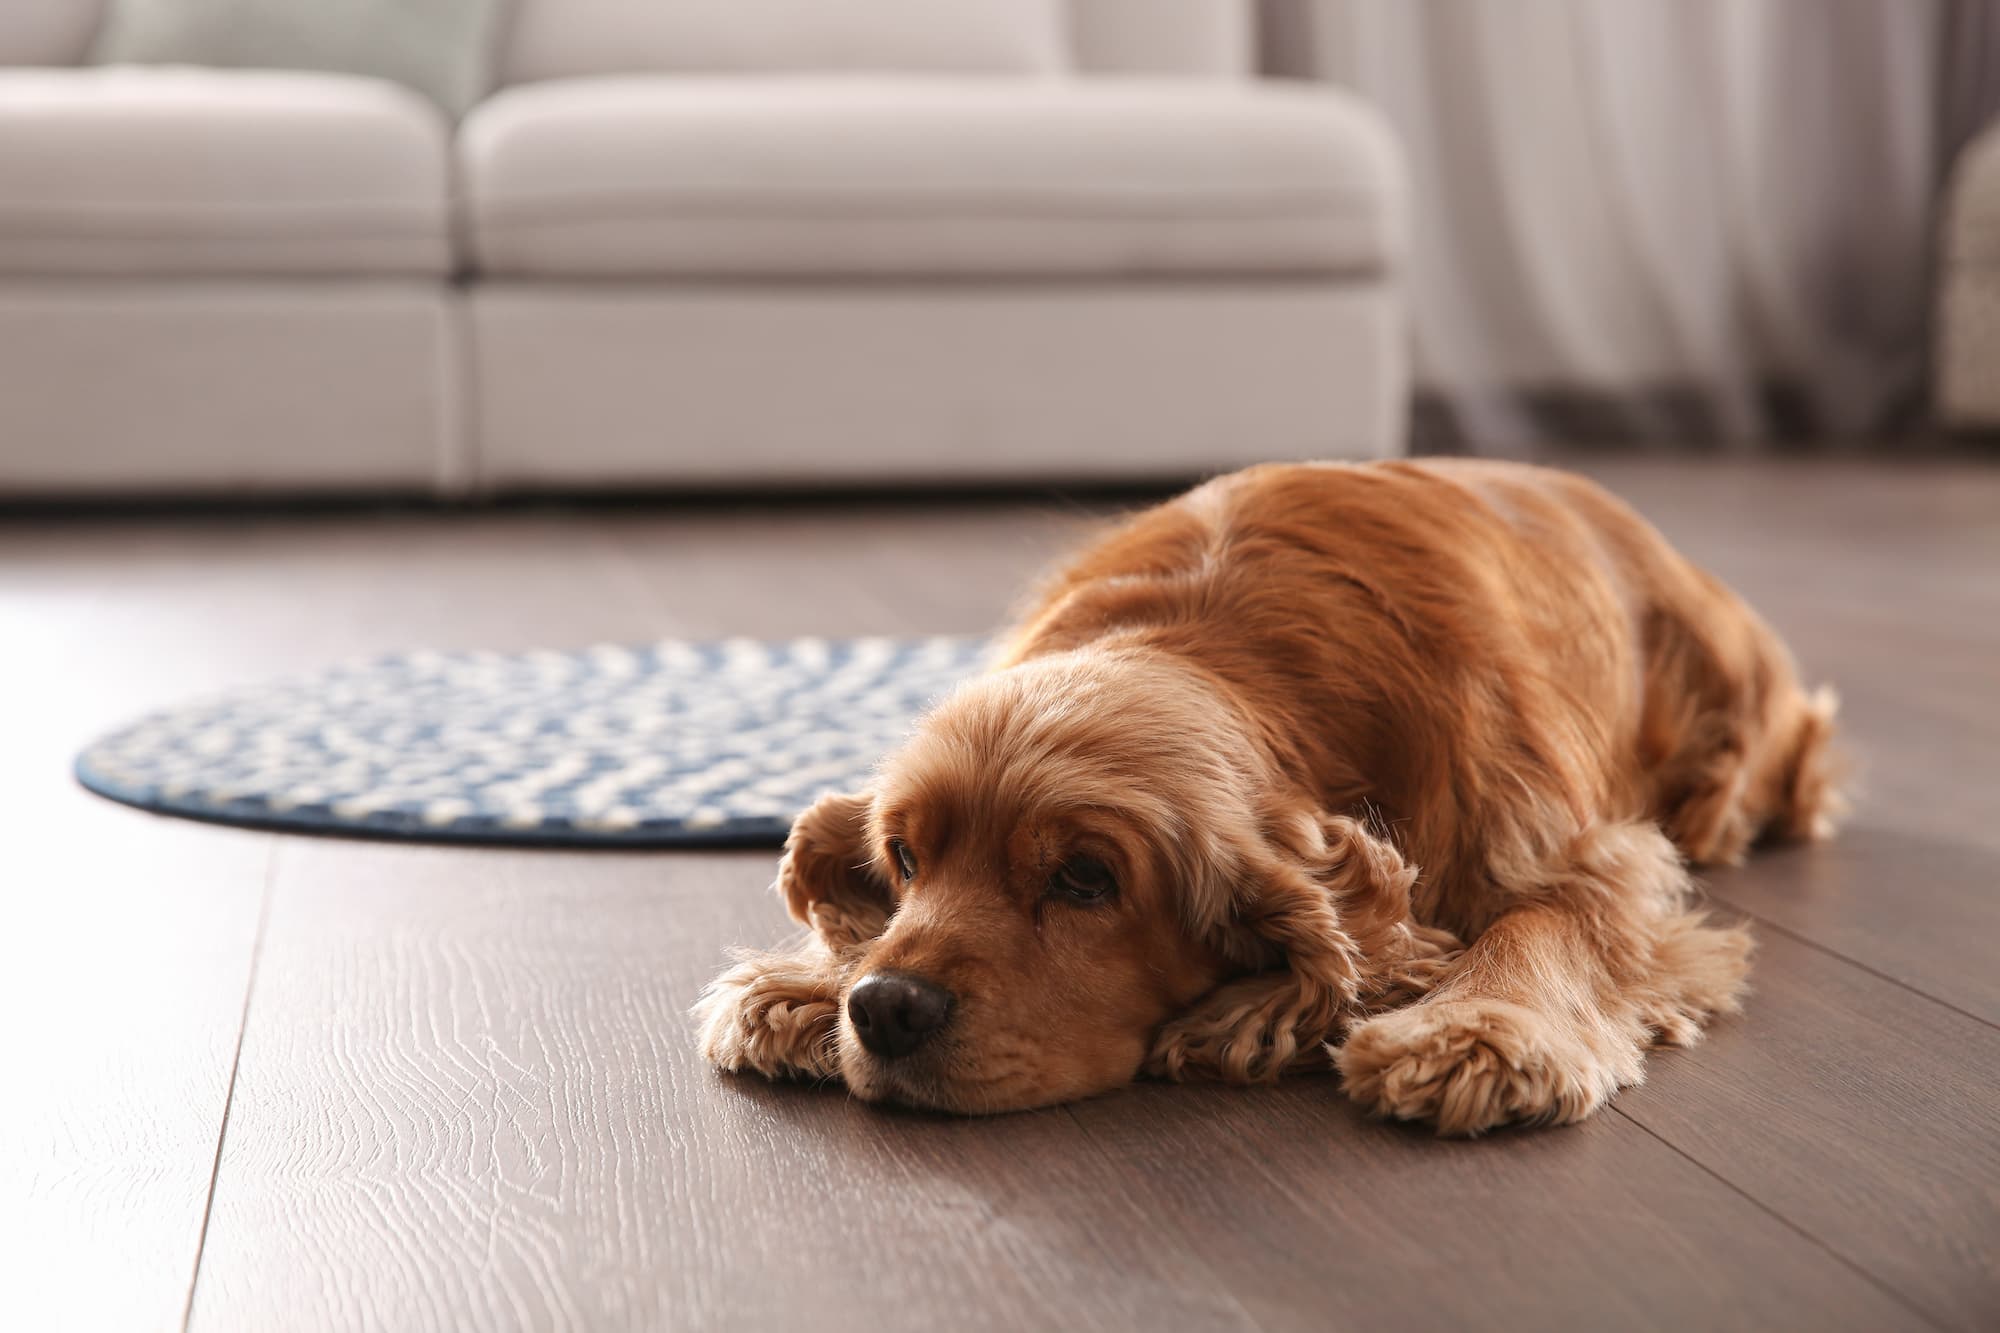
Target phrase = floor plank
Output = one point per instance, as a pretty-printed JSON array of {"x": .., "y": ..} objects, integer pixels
[
  {"x": 122, "y": 977},
  {"x": 123, "y": 967},
  {"x": 1861, "y": 1113},
  {"x": 1918, "y": 910},
  {"x": 467, "y": 1094},
  {"x": 469, "y": 1098},
  {"x": 507, "y": 1127},
  {"x": 1318, "y": 1217},
  {"x": 124, "y": 971},
  {"x": 875, "y": 569}
]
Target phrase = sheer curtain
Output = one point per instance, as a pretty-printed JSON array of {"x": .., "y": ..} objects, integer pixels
[{"x": 1665, "y": 218}]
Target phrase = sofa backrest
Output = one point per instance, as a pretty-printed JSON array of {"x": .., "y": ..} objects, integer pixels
[
  {"x": 1211, "y": 38},
  {"x": 555, "y": 39},
  {"x": 560, "y": 38},
  {"x": 47, "y": 32}
]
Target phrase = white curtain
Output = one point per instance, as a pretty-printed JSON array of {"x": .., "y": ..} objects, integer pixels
[{"x": 1654, "y": 204}]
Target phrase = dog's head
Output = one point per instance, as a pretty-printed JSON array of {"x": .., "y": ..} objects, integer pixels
[{"x": 1065, "y": 856}]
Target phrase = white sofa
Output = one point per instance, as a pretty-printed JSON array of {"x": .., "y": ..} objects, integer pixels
[
  {"x": 1967, "y": 377},
  {"x": 639, "y": 263}
]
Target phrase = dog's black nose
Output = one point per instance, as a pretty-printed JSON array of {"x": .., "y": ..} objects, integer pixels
[{"x": 893, "y": 1012}]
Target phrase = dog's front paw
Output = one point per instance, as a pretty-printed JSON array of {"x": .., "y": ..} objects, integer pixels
[
  {"x": 772, "y": 1015},
  {"x": 1247, "y": 1031},
  {"x": 1471, "y": 1065}
]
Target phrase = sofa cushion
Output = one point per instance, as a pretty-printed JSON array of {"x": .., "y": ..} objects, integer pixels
[
  {"x": 1204, "y": 38},
  {"x": 442, "y": 48},
  {"x": 174, "y": 172},
  {"x": 804, "y": 177},
  {"x": 559, "y": 39}
]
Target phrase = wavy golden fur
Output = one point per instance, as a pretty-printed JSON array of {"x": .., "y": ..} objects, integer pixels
[{"x": 1396, "y": 763}]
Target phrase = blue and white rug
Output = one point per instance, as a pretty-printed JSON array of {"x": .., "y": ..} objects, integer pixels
[{"x": 661, "y": 745}]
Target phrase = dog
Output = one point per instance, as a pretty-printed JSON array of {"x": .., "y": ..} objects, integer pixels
[{"x": 1397, "y": 766}]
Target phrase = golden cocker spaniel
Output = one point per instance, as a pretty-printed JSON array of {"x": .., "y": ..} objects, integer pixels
[{"x": 1392, "y": 764}]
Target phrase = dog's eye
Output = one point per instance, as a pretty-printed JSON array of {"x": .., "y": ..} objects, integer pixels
[
  {"x": 905, "y": 860},
  {"x": 1083, "y": 879}
]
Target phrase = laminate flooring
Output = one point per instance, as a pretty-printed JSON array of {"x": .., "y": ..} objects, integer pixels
[{"x": 265, "y": 1082}]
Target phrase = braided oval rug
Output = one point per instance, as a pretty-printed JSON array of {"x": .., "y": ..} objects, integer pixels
[{"x": 663, "y": 744}]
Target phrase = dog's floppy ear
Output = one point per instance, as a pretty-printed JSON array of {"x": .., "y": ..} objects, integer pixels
[
  {"x": 1331, "y": 897},
  {"x": 1316, "y": 910},
  {"x": 828, "y": 877}
]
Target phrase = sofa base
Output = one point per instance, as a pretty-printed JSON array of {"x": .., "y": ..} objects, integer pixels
[
  {"x": 583, "y": 387},
  {"x": 122, "y": 388},
  {"x": 126, "y": 388}
]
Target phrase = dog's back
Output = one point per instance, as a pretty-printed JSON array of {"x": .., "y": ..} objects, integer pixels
[{"x": 1484, "y": 653}]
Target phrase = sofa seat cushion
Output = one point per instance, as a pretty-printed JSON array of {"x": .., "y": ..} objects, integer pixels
[
  {"x": 636, "y": 178},
  {"x": 186, "y": 172}
]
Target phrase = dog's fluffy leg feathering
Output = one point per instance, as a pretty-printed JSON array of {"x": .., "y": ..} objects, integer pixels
[
  {"x": 1351, "y": 948},
  {"x": 1549, "y": 1012}
]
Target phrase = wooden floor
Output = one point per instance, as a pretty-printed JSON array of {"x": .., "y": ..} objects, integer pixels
[{"x": 267, "y": 1083}]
